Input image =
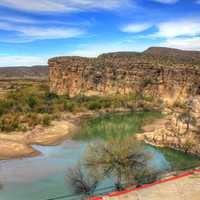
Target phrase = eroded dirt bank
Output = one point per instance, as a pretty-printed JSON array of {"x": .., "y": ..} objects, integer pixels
[{"x": 19, "y": 144}]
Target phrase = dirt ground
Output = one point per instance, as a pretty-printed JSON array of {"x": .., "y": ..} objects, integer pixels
[{"x": 185, "y": 188}]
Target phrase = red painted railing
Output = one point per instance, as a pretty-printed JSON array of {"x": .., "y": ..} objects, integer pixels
[{"x": 114, "y": 194}]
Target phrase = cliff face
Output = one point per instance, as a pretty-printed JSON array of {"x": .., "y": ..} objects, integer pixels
[{"x": 152, "y": 71}]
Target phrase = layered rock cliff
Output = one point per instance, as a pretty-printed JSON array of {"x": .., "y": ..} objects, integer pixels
[
  {"x": 169, "y": 74},
  {"x": 162, "y": 72}
]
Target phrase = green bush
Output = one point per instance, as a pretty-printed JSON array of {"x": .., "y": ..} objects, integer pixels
[
  {"x": 69, "y": 106},
  {"x": 5, "y": 106},
  {"x": 94, "y": 105},
  {"x": 34, "y": 119},
  {"x": 49, "y": 96},
  {"x": 32, "y": 101},
  {"x": 46, "y": 120},
  {"x": 9, "y": 122},
  {"x": 44, "y": 108}
]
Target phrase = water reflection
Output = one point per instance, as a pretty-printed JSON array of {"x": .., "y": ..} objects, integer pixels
[{"x": 44, "y": 176}]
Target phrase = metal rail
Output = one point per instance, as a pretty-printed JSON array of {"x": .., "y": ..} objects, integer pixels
[{"x": 109, "y": 189}]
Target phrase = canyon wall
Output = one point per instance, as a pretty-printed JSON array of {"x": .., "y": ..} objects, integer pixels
[{"x": 123, "y": 73}]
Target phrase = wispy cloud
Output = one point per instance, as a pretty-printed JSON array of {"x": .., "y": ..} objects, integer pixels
[
  {"x": 6, "y": 61},
  {"x": 192, "y": 43},
  {"x": 24, "y": 20},
  {"x": 49, "y": 33},
  {"x": 135, "y": 28},
  {"x": 198, "y": 1},
  {"x": 187, "y": 27},
  {"x": 167, "y": 29},
  {"x": 30, "y": 32},
  {"x": 166, "y": 1},
  {"x": 64, "y": 5},
  {"x": 17, "y": 19}
]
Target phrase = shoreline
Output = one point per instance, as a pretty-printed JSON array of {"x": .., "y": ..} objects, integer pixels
[{"x": 18, "y": 145}]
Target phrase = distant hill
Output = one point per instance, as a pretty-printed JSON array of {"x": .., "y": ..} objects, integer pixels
[
  {"x": 174, "y": 54},
  {"x": 34, "y": 72},
  {"x": 161, "y": 54}
]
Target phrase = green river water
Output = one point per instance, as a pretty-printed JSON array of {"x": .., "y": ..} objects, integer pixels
[{"x": 43, "y": 177}]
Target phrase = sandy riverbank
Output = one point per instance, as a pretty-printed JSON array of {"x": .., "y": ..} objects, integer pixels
[{"x": 19, "y": 144}]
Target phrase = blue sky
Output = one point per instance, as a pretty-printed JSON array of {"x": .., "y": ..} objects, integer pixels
[{"x": 31, "y": 31}]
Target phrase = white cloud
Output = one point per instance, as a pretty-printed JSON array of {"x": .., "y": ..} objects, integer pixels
[
  {"x": 189, "y": 27},
  {"x": 17, "y": 19},
  {"x": 63, "y": 5},
  {"x": 198, "y": 1},
  {"x": 31, "y": 33},
  {"x": 166, "y": 1},
  {"x": 135, "y": 28},
  {"x": 192, "y": 43},
  {"x": 6, "y": 61},
  {"x": 49, "y": 33}
]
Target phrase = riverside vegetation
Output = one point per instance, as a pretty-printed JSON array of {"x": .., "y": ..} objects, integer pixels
[{"x": 25, "y": 107}]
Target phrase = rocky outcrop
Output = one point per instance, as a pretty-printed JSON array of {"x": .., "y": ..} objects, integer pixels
[
  {"x": 122, "y": 73},
  {"x": 173, "y": 133},
  {"x": 189, "y": 143}
]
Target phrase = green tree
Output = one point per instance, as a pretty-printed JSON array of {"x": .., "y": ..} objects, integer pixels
[
  {"x": 187, "y": 118},
  {"x": 121, "y": 158}
]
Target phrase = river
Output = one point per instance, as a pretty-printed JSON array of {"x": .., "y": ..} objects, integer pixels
[{"x": 43, "y": 177}]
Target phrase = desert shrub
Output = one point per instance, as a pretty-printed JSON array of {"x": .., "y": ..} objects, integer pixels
[
  {"x": 32, "y": 101},
  {"x": 94, "y": 105},
  {"x": 81, "y": 181},
  {"x": 49, "y": 96},
  {"x": 106, "y": 103},
  {"x": 188, "y": 145},
  {"x": 32, "y": 119},
  {"x": 69, "y": 106},
  {"x": 9, "y": 122},
  {"x": 15, "y": 95},
  {"x": 42, "y": 108},
  {"x": 46, "y": 120},
  {"x": 5, "y": 106}
]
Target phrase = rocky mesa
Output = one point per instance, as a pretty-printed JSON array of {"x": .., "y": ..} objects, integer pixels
[{"x": 170, "y": 74}]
